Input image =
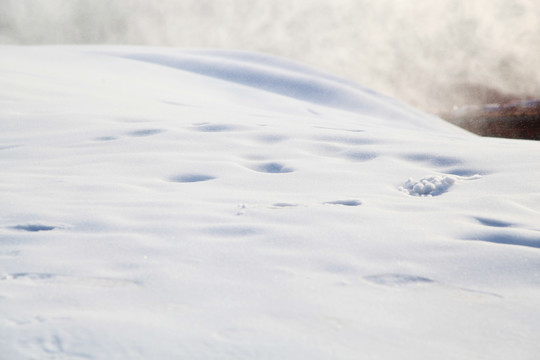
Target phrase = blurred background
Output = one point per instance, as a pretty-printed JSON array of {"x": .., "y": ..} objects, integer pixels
[{"x": 432, "y": 54}]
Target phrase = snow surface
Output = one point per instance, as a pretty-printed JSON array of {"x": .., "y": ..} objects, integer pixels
[{"x": 167, "y": 204}]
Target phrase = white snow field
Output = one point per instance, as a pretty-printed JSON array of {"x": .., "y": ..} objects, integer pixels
[{"x": 182, "y": 204}]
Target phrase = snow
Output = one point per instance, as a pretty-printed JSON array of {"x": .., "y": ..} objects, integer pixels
[
  {"x": 163, "y": 203},
  {"x": 428, "y": 186}
]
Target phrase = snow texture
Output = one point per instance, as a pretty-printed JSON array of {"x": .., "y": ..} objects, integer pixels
[
  {"x": 185, "y": 204},
  {"x": 428, "y": 186}
]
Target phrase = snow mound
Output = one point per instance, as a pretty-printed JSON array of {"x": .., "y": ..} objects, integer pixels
[
  {"x": 282, "y": 77},
  {"x": 428, "y": 186},
  {"x": 172, "y": 204},
  {"x": 433, "y": 185},
  {"x": 270, "y": 74}
]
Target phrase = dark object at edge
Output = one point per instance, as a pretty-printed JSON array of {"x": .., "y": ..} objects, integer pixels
[{"x": 514, "y": 120}]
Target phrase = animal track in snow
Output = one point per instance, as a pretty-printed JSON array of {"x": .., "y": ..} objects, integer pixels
[
  {"x": 506, "y": 233},
  {"x": 284, "y": 205},
  {"x": 272, "y": 168},
  {"x": 206, "y": 127},
  {"x": 106, "y": 138},
  {"x": 191, "y": 178},
  {"x": 465, "y": 172},
  {"x": 145, "y": 132},
  {"x": 34, "y": 227},
  {"x": 345, "y": 202},
  {"x": 510, "y": 236}
]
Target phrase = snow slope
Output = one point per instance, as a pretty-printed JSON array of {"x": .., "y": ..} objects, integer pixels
[{"x": 167, "y": 204}]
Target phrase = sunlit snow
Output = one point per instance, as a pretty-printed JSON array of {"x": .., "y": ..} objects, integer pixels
[{"x": 179, "y": 204}]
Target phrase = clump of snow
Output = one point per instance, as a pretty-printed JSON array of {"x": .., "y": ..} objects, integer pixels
[
  {"x": 433, "y": 185},
  {"x": 428, "y": 186}
]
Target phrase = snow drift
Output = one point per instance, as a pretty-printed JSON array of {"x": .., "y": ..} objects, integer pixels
[{"x": 159, "y": 203}]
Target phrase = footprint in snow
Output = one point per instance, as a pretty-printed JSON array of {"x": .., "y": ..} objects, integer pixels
[
  {"x": 272, "y": 168},
  {"x": 350, "y": 202},
  {"x": 145, "y": 132},
  {"x": 447, "y": 164},
  {"x": 105, "y": 138},
  {"x": 283, "y": 205},
  {"x": 34, "y": 227},
  {"x": 191, "y": 178},
  {"x": 345, "y": 202},
  {"x": 212, "y": 128},
  {"x": 505, "y": 233}
]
